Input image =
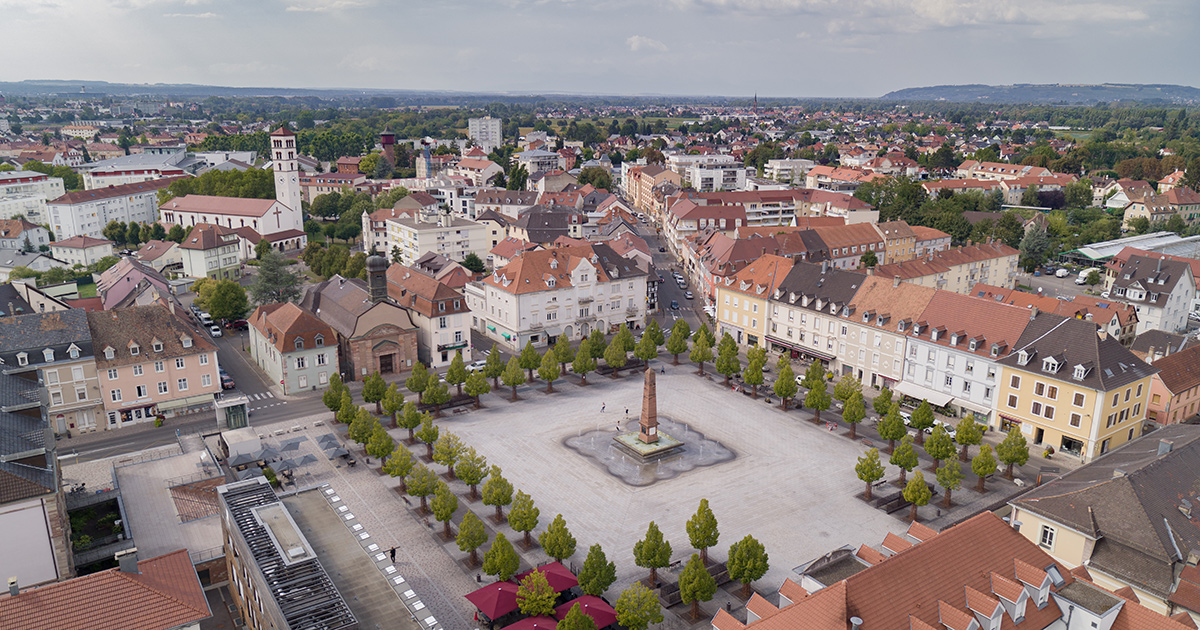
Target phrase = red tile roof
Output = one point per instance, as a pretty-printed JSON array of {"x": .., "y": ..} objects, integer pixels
[
  {"x": 81, "y": 242},
  {"x": 165, "y": 593},
  {"x": 895, "y": 544},
  {"x": 282, "y": 324},
  {"x": 110, "y": 192}
]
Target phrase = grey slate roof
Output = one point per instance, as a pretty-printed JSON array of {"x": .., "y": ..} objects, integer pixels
[
  {"x": 339, "y": 302},
  {"x": 1074, "y": 342},
  {"x": 834, "y": 286},
  {"x": 36, "y": 332},
  {"x": 1161, "y": 340},
  {"x": 9, "y": 295},
  {"x": 1130, "y": 501},
  {"x": 1156, "y": 276}
]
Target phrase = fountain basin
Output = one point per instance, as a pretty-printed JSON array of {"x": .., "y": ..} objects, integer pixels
[{"x": 647, "y": 452}]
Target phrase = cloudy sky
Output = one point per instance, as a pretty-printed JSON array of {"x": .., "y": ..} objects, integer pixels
[{"x": 720, "y": 47}]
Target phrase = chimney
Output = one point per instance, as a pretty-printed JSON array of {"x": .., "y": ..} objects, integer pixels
[
  {"x": 1165, "y": 446},
  {"x": 10, "y": 309},
  {"x": 1158, "y": 267},
  {"x": 895, "y": 281},
  {"x": 1150, "y": 354},
  {"x": 13, "y": 587},
  {"x": 870, "y": 271},
  {"x": 1033, "y": 313},
  {"x": 127, "y": 560},
  {"x": 856, "y": 623}
]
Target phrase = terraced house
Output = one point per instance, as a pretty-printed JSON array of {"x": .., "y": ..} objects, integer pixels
[
  {"x": 54, "y": 350},
  {"x": 1067, "y": 385},
  {"x": 293, "y": 347},
  {"x": 742, "y": 299},
  {"x": 876, "y": 318},
  {"x": 804, "y": 309}
]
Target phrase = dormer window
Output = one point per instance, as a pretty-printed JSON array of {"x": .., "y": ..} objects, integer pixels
[
  {"x": 187, "y": 341},
  {"x": 157, "y": 345},
  {"x": 109, "y": 353},
  {"x": 954, "y": 339},
  {"x": 320, "y": 341},
  {"x": 134, "y": 350},
  {"x": 901, "y": 326},
  {"x": 1080, "y": 373},
  {"x": 1049, "y": 364},
  {"x": 974, "y": 345},
  {"x": 1022, "y": 358},
  {"x": 550, "y": 283},
  {"x": 867, "y": 317},
  {"x": 22, "y": 358},
  {"x": 48, "y": 355},
  {"x": 73, "y": 352},
  {"x": 933, "y": 335},
  {"x": 299, "y": 343}
]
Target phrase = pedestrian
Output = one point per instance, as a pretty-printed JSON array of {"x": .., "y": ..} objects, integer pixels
[
  {"x": 602, "y": 405},
  {"x": 392, "y": 554},
  {"x": 627, "y": 412},
  {"x": 664, "y": 369}
]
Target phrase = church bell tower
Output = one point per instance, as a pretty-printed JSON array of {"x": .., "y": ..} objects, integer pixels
[{"x": 287, "y": 169}]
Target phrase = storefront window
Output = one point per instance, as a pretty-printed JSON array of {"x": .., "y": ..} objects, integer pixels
[{"x": 1072, "y": 446}]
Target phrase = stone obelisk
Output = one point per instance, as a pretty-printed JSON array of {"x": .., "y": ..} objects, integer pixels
[{"x": 649, "y": 421}]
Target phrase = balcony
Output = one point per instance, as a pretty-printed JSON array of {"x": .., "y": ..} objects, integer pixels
[
  {"x": 584, "y": 299},
  {"x": 536, "y": 326},
  {"x": 632, "y": 310}
]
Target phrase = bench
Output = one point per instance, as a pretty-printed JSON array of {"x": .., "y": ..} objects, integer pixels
[
  {"x": 668, "y": 595},
  {"x": 720, "y": 573}
]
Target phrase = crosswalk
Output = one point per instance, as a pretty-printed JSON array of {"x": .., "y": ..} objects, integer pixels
[{"x": 261, "y": 396}]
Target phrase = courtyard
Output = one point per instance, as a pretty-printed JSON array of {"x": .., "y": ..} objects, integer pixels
[{"x": 790, "y": 486}]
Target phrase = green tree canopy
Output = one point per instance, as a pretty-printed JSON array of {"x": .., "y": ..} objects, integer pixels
[
  {"x": 436, "y": 393},
  {"x": 869, "y": 469},
  {"x": 846, "y": 388},
  {"x": 444, "y": 505},
  {"x": 513, "y": 376},
  {"x": 471, "y": 468},
  {"x": 949, "y": 477},
  {"x": 638, "y": 607},
  {"x": 548, "y": 371},
  {"x": 615, "y": 356},
  {"x": 891, "y": 427},
  {"x": 523, "y": 516},
  {"x": 563, "y": 352},
  {"x": 702, "y": 529},
  {"x": 818, "y": 399},
  {"x": 373, "y": 390},
  {"x": 410, "y": 418},
  {"x": 275, "y": 282},
  {"x": 583, "y": 362},
  {"x": 905, "y": 457},
  {"x": 422, "y": 482},
  {"x": 701, "y": 352},
  {"x": 785, "y": 384},
  {"x": 477, "y": 386},
  {"x": 471, "y": 536},
  {"x": 728, "y": 363},
  {"x": 380, "y": 445},
  {"x": 456, "y": 374},
  {"x": 922, "y": 419},
  {"x": 417, "y": 380},
  {"x": 393, "y": 401},
  {"x": 696, "y": 584},
  {"x": 853, "y": 412},
  {"x": 983, "y": 465},
  {"x": 228, "y": 301},
  {"x": 501, "y": 559},
  {"x": 652, "y": 552},
  {"x": 939, "y": 446},
  {"x": 576, "y": 619},
  {"x": 748, "y": 561},
  {"x": 447, "y": 450},
  {"x": 428, "y": 433},
  {"x": 968, "y": 433},
  {"x": 882, "y": 402},
  {"x": 1013, "y": 451},
  {"x": 597, "y": 573},
  {"x": 917, "y": 492},
  {"x": 497, "y": 491},
  {"x": 529, "y": 359},
  {"x": 677, "y": 344},
  {"x": 493, "y": 367},
  {"x": 557, "y": 541}
]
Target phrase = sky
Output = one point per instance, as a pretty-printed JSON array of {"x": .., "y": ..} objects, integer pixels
[{"x": 785, "y": 48}]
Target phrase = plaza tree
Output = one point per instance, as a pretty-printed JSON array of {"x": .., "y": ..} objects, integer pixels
[
  {"x": 853, "y": 412},
  {"x": 549, "y": 371},
  {"x": 446, "y": 451},
  {"x": 652, "y": 552},
  {"x": 704, "y": 333},
  {"x": 523, "y": 516},
  {"x": 471, "y": 468},
  {"x": 939, "y": 446},
  {"x": 814, "y": 375},
  {"x": 646, "y": 348},
  {"x": 846, "y": 388},
  {"x": 422, "y": 482},
  {"x": 891, "y": 427},
  {"x": 696, "y": 584},
  {"x": 968, "y": 433},
  {"x": 501, "y": 560},
  {"x": 393, "y": 402},
  {"x": 493, "y": 367},
  {"x": 456, "y": 374},
  {"x": 380, "y": 444},
  {"x": 477, "y": 386},
  {"x": 557, "y": 541},
  {"x": 917, "y": 493},
  {"x": 399, "y": 465},
  {"x": 615, "y": 356},
  {"x": 436, "y": 393},
  {"x": 701, "y": 353},
  {"x": 905, "y": 458},
  {"x": 728, "y": 363},
  {"x": 949, "y": 477},
  {"x": 624, "y": 338},
  {"x": 597, "y": 344},
  {"x": 428, "y": 433},
  {"x": 410, "y": 418},
  {"x": 535, "y": 596},
  {"x": 702, "y": 530},
  {"x": 922, "y": 418},
  {"x": 332, "y": 398},
  {"x": 497, "y": 492},
  {"x": 785, "y": 384},
  {"x": 583, "y": 362},
  {"x": 753, "y": 375},
  {"x": 597, "y": 573},
  {"x": 529, "y": 360},
  {"x": 563, "y": 353},
  {"x": 748, "y": 561},
  {"x": 576, "y": 619},
  {"x": 677, "y": 344},
  {"x": 869, "y": 470},
  {"x": 513, "y": 376},
  {"x": 983, "y": 465},
  {"x": 373, "y": 390},
  {"x": 882, "y": 402},
  {"x": 655, "y": 333},
  {"x": 471, "y": 536},
  {"x": 348, "y": 411},
  {"x": 444, "y": 504},
  {"x": 360, "y": 427},
  {"x": 818, "y": 399},
  {"x": 638, "y": 607},
  {"x": 418, "y": 380},
  {"x": 1013, "y": 451}
]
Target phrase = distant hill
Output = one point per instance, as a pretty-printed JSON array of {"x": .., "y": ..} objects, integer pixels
[{"x": 1050, "y": 93}]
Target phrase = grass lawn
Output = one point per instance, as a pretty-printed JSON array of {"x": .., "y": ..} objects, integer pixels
[{"x": 87, "y": 290}]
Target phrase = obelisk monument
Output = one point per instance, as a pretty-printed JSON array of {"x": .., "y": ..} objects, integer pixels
[{"x": 649, "y": 421}]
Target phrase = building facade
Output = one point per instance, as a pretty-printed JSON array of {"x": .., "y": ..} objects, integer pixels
[
  {"x": 81, "y": 250},
  {"x": 439, "y": 311},
  {"x": 87, "y": 212},
  {"x": 211, "y": 251},
  {"x": 292, "y": 347}
]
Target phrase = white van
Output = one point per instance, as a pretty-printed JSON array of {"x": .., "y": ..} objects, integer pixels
[{"x": 1084, "y": 273}]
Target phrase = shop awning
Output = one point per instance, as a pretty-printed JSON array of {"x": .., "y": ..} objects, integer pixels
[
  {"x": 972, "y": 407},
  {"x": 935, "y": 398},
  {"x": 191, "y": 401}
]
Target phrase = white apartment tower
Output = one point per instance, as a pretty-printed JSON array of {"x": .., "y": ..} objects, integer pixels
[
  {"x": 287, "y": 168},
  {"x": 487, "y": 132}
]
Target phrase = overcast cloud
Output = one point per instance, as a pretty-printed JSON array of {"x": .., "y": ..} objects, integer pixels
[{"x": 721, "y": 47}]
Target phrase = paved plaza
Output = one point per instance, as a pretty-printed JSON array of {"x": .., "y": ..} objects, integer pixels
[{"x": 792, "y": 487}]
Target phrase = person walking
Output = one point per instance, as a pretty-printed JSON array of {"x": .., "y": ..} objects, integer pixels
[
  {"x": 392, "y": 554},
  {"x": 602, "y": 405}
]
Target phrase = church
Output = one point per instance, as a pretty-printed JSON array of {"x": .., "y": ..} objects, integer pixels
[{"x": 279, "y": 220}]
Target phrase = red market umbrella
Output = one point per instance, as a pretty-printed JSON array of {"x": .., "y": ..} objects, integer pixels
[
  {"x": 592, "y": 606},
  {"x": 559, "y": 577},
  {"x": 533, "y": 623},
  {"x": 495, "y": 600}
]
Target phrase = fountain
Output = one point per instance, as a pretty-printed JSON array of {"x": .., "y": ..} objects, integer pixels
[{"x": 652, "y": 453}]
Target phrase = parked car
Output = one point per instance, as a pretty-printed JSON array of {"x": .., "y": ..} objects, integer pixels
[
  {"x": 476, "y": 366},
  {"x": 214, "y": 330},
  {"x": 1062, "y": 273},
  {"x": 688, "y": 295},
  {"x": 206, "y": 319},
  {"x": 227, "y": 382},
  {"x": 662, "y": 249},
  {"x": 237, "y": 324},
  {"x": 674, "y": 305}
]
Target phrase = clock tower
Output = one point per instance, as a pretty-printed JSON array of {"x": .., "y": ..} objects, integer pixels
[{"x": 287, "y": 169}]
